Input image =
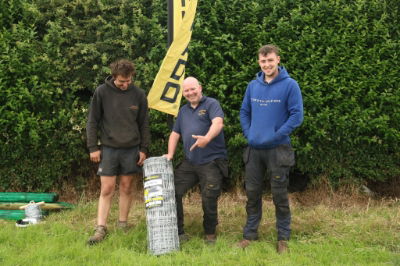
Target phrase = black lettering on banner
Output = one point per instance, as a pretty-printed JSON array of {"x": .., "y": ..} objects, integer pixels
[
  {"x": 178, "y": 64},
  {"x": 169, "y": 85},
  {"x": 183, "y": 5},
  {"x": 176, "y": 77}
]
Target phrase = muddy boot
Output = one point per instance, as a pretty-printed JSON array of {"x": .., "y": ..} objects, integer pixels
[
  {"x": 282, "y": 247},
  {"x": 210, "y": 239},
  {"x": 183, "y": 238},
  {"x": 100, "y": 233},
  {"x": 244, "y": 243},
  {"x": 124, "y": 226}
]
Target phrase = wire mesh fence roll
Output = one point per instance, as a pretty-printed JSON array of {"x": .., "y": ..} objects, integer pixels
[{"x": 159, "y": 196}]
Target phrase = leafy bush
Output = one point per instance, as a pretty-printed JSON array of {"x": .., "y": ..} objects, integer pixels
[{"x": 39, "y": 142}]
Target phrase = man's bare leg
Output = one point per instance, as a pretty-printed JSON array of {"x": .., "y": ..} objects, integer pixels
[
  {"x": 125, "y": 196},
  {"x": 106, "y": 194}
]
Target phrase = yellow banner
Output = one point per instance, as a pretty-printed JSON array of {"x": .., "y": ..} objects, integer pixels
[
  {"x": 180, "y": 7},
  {"x": 165, "y": 94}
]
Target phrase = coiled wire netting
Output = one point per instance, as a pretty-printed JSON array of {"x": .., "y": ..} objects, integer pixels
[
  {"x": 33, "y": 211},
  {"x": 159, "y": 193}
]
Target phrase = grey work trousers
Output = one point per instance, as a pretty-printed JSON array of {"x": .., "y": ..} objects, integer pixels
[
  {"x": 209, "y": 176},
  {"x": 276, "y": 162}
]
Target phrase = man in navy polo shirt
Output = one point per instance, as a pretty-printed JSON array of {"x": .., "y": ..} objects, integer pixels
[{"x": 200, "y": 124}]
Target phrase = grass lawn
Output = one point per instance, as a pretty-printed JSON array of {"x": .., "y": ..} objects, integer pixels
[{"x": 326, "y": 230}]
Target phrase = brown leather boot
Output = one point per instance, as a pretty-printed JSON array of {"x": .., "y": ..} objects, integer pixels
[
  {"x": 100, "y": 233},
  {"x": 124, "y": 226},
  {"x": 244, "y": 243},
  {"x": 210, "y": 239},
  {"x": 282, "y": 247},
  {"x": 183, "y": 238}
]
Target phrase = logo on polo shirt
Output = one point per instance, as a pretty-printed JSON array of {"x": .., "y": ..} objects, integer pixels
[{"x": 202, "y": 112}]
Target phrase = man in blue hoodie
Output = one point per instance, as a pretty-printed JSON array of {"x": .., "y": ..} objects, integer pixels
[{"x": 272, "y": 108}]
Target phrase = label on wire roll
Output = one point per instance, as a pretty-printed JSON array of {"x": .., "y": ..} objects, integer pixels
[{"x": 153, "y": 191}]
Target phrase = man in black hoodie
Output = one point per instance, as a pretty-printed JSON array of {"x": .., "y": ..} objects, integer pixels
[{"x": 119, "y": 112}]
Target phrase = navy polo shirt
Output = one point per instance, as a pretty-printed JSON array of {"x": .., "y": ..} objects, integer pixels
[{"x": 197, "y": 122}]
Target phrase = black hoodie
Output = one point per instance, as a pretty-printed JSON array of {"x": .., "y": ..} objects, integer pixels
[{"x": 121, "y": 116}]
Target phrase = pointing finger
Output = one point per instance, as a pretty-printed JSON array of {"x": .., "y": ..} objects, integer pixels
[{"x": 193, "y": 146}]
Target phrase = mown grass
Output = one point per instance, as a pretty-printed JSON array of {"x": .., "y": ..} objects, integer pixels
[{"x": 332, "y": 231}]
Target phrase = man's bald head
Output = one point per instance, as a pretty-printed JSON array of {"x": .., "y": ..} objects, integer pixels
[
  {"x": 192, "y": 81},
  {"x": 192, "y": 91}
]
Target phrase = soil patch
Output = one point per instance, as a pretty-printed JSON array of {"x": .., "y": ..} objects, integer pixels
[{"x": 389, "y": 188}]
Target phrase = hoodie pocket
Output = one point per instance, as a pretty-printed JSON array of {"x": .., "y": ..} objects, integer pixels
[{"x": 261, "y": 137}]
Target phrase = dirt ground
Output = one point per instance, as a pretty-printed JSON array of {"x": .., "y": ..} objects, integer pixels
[{"x": 386, "y": 189}]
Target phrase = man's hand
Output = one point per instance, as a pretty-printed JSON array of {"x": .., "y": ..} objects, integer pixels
[
  {"x": 142, "y": 157},
  {"x": 95, "y": 156},
  {"x": 201, "y": 142},
  {"x": 168, "y": 156},
  {"x": 216, "y": 126}
]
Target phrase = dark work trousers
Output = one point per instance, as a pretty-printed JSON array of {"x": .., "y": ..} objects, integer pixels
[
  {"x": 276, "y": 162},
  {"x": 209, "y": 177}
]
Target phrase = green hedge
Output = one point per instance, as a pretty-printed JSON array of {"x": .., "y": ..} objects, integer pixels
[{"x": 344, "y": 54}]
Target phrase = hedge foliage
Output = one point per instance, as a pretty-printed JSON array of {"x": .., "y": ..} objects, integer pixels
[{"x": 344, "y": 54}]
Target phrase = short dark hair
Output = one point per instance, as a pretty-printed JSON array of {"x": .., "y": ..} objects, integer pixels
[
  {"x": 122, "y": 67},
  {"x": 267, "y": 49}
]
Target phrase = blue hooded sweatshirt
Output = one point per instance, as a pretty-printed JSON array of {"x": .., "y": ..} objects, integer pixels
[{"x": 271, "y": 111}]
